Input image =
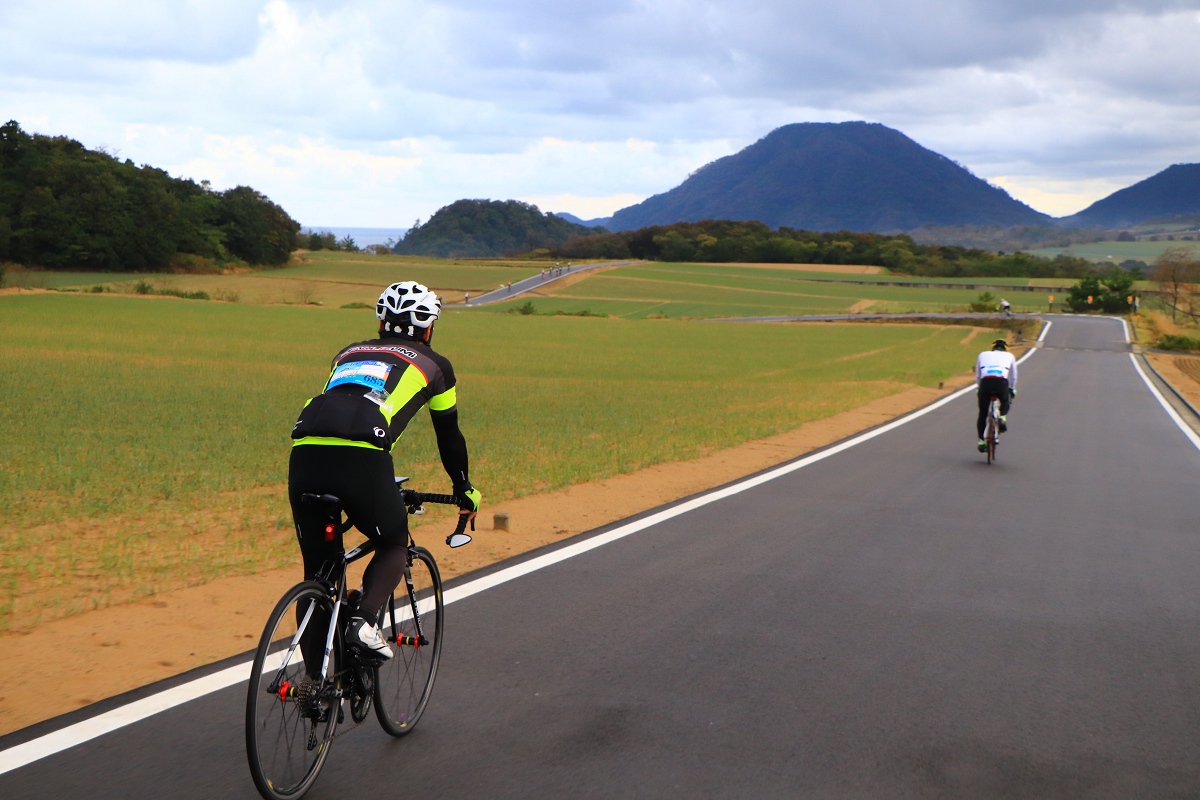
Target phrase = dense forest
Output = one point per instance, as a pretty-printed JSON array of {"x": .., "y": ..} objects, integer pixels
[
  {"x": 63, "y": 206},
  {"x": 482, "y": 228},
  {"x": 729, "y": 241}
]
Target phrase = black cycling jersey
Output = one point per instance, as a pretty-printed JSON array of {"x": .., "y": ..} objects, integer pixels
[{"x": 373, "y": 391}]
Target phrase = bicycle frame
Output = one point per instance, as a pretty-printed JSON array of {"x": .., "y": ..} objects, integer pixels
[{"x": 339, "y": 594}]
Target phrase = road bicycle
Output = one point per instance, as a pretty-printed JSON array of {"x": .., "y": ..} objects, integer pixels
[
  {"x": 292, "y": 708},
  {"x": 993, "y": 429}
]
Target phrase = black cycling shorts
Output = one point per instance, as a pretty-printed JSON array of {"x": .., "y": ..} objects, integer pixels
[{"x": 364, "y": 479}]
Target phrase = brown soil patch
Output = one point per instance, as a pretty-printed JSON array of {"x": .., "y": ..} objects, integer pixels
[
  {"x": 1182, "y": 372},
  {"x": 847, "y": 269},
  {"x": 860, "y": 307},
  {"x": 973, "y": 333},
  {"x": 68, "y": 663},
  {"x": 23, "y": 290}
]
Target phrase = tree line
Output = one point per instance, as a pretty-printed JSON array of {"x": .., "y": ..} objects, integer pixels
[
  {"x": 63, "y": 206},
  {"x": 733, "y": 241}
]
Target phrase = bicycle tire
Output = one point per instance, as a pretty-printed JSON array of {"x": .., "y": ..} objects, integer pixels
[
  {"x": 991, "y": 433},
  {"x": 287, "y": 741},
  {"x": 404, "y": 682}
]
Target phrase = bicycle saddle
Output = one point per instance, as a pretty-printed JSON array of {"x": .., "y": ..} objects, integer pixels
[{"x": 327, "y": 500}]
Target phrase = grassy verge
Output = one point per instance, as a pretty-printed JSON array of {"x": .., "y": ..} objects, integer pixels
[{"x": 146, "y": 439}]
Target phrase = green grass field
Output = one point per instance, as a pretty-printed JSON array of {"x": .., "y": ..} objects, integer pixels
[
  {"x": 715, "y": 290},
  {"x": 145, "y": 411},
  {"x": 1116, "y": 252}
]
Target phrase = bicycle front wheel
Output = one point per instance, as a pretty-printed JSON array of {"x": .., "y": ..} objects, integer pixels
[
  {"x": 290, "y": 716},
  {"x": 412, "y": 621}
]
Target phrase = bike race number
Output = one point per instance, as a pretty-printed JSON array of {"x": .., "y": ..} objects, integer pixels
[{"x": 371, "y": 374}]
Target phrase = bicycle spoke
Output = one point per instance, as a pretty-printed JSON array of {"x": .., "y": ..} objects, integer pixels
[
  {"x": 290, "y": 717},
  {"x": 403, "y": 684}
]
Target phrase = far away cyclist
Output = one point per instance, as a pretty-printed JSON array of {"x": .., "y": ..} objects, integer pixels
[
  {"x": 343, "y": 441},
  {"x": 995, "y": 376}
]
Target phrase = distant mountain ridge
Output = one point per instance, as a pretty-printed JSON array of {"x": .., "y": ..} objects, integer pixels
[
  {"x": 1174, "y": 191},
  {"x": 866, "y": 177},
  {"x": 857, "y": 176},
  {"x": 598, "y": 222}
]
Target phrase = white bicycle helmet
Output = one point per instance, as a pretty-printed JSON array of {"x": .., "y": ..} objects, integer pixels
[{"x": 407, "y": 305}]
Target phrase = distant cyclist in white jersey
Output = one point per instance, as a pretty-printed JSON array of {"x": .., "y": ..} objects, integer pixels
[{"x": 995, "y": 376}]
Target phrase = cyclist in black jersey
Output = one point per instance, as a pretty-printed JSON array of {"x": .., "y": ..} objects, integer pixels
[{"x": 342, "y": 446}]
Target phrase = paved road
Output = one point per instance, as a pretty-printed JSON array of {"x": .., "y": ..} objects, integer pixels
[
  {"x": 896, "y": 621},
  {"x": 533, "y": 282}
]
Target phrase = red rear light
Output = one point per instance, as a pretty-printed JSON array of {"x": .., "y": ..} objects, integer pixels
[{"x": 329, "y": 529}]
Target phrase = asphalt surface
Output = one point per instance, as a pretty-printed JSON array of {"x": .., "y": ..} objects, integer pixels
[
  {"x": 899, "y": 620},
  {"x": 533, "y": 282}
]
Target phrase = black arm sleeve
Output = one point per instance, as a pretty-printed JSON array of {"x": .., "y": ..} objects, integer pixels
[{"x": 451, "y": 445}]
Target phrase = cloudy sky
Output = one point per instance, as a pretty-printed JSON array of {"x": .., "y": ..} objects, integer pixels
[{"x": 378, "y": 112}]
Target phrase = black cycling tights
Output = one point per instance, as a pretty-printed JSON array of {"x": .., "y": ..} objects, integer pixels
[
  {"x": 365, "y": 482},
  {"x": 989, "y": 388}
]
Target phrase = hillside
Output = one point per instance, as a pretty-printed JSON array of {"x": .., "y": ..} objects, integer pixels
[
  {"x": 66, "y": 207},
  {"x": 855, "y": 176},
  {"x": 598, "y": 222},
  {"x": 483, "y": 228},
  {"x": 1172, "y": 192}
]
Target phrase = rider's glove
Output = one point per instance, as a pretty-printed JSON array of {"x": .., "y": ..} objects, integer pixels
[
  {"x": 467, "y": 495},
  {"x": 1014, "y": 392}
]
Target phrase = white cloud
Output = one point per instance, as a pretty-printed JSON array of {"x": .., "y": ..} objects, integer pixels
[{"x": 374, "y": 112}]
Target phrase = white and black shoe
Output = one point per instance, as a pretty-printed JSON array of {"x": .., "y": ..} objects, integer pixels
[{"x": 365, "y": 636}]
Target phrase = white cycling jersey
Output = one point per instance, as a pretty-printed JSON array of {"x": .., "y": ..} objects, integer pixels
[{"x": 996, "y": 364}]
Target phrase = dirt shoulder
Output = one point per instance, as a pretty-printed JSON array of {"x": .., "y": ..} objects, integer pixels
[
  {"x": 1181, "y": 371},
  {"x": 68, "y": 663}
]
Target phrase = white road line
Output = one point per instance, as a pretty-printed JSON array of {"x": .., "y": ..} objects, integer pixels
[
  {"x": 1045, "y": 330},
  {"x": 89, "y": 729},
  {"x": 1162, "y": 401},
  {"x": 72, "y": 735}
]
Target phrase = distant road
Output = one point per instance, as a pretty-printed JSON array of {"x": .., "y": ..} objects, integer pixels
[
  {"x": 895, "y": 620},
  {"x": 534, "y": 282}
]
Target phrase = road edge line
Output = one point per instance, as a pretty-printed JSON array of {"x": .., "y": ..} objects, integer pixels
[
  {"x": 1162, "y": 401},
  {"x": 84, "y": 731}
]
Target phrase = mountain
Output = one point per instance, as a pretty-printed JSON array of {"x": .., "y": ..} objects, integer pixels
[
  {"x": 483, "y": 228},
  {"x": 1174, "y": 191},
  {"x": 820, "y": 176},
  {"x": 598, "y": 222}
]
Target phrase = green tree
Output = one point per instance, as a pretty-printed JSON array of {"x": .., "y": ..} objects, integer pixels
[
  {"x": 64, "y": 206},
  {"x": 672, "y": 246},
  {"x": 256, "y": 230}
]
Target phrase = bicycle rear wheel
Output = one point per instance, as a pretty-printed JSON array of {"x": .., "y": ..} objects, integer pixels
[
  {"x": 991, "y": 440},
  {"x": 412, "y": 620},
  {"x": 290, "y": 718}
]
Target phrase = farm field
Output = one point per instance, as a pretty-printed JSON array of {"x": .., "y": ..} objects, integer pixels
[
  {"x": 330, "y": 278},
  {"x": 655, "y": 290},
  {"x": 1116, "y": 251},
  {"x": 166, "y": 467}
]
